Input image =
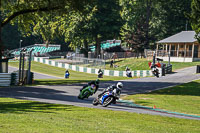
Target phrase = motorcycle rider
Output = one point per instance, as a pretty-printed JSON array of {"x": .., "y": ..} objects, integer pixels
[
  {"x": 100, "y": 73},
  {"x": 154, "y": 68},
  {"x": 114, "y": 88},
  {"x": 128, "y": 72},
  {"x": 67, "y": 74},
  {"x": 93, "y": 84}
]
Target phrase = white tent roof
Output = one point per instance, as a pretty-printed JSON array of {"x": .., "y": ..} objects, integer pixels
[{"x": 182, "y": 37}]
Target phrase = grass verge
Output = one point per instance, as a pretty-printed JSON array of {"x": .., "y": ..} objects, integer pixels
[
  {"x": 75, "y": 77},
  {"x": 183, "y": 98},
  {"x": 35, "y": 117},
  {"x": 142, "y": 64}
]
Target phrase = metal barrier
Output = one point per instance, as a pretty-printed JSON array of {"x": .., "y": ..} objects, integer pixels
[
  {"x": 116, "y": 55},
  {"x": 198, "y": 69},
  {"x": 88, "y": 62},
  {"x": 7, "y": 79},
  {"x": 168, "y": 69}
]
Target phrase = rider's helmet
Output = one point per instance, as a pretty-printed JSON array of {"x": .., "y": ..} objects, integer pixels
[
  {"x": 119, "y": 85},
  {"x": 97, "y": 82}
]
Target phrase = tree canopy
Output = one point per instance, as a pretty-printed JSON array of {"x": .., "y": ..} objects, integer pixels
[
  {"x": 139, "y": 24},
  {"x": 195, "y": 17},
  {"x": 36, "y": 16}
]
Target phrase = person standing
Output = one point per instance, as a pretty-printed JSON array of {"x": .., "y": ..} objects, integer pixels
[{"x": 111, "y": 64}]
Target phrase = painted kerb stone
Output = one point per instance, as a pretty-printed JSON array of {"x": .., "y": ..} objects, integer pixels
[{"x": 136, "y": 73}]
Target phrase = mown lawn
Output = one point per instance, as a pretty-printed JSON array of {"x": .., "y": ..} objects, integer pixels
[
  {"x": 142, "y": 64},
  {"x": 183, "y": 98},
  {"x": 75, "y": 77},
  {"x": 20, "y": 116}
]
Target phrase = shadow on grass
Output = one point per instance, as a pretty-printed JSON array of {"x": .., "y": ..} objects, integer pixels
[
  {"x": 58, "y": 82},
  {"x": 42, "y": 94},
  {"x": 63, "y": 82},
  {"x": 27, "y": 106}
]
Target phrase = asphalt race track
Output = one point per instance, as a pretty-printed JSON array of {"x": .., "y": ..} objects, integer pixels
[{"x": 67, "y": 94}]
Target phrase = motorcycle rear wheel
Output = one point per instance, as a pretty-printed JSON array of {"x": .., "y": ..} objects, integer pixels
[{"x": 83, "y": 95}]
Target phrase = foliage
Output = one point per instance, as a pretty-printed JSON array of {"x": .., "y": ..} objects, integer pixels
[
  {"x": 105, "y": 22},
  {"x": 195, "y": 17},
  {"x": 148, "y": 21},
  {"x": 137, "y": 26},
  {"x": 37, "y": 16},
  {"x": 80, "y": 23}
]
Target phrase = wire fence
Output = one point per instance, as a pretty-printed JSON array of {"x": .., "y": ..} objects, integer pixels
[{"x": 88, "y": 62}]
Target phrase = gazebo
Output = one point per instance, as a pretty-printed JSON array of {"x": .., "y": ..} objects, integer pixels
[{"x": 183, "y": 47}]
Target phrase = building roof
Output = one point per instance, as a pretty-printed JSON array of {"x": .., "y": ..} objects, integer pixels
[{"x": 182, "y": 37}]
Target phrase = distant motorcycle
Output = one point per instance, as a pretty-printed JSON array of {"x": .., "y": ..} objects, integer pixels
[
  {"x": 100, "y": 74},
  {"x": 155, "y": 71},
  {"x": 128, "y": 73},
  {"x": 106, "y": 99}
]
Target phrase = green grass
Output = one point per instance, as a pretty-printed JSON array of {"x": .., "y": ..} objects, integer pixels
[
  {"x": 132, "y": 63},
  {"x": 183, "y": 98},
  {"x": 20, "y": 116},
  {"x": 180, "y": 65},
  {"x": 142, "y": 64},
  {"x": 75, "y": 77}
]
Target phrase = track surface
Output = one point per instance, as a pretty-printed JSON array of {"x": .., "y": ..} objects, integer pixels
[{"x": 67, "y": 94}]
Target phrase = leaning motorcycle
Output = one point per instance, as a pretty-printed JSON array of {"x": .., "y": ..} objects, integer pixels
[
  {"x": 155, "y": 71},
  {"x": 86, "y": 92},
  {"x": 128, "y": 73},
  {"x": 106, "y": 99}
]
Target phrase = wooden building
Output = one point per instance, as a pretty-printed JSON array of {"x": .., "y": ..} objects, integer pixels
[{"x": 183, "y": 47}]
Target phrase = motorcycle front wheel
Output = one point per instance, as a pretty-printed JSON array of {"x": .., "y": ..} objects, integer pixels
[
  {"x": 107, "y": 101},
  {"x": 95, "y": 102}
]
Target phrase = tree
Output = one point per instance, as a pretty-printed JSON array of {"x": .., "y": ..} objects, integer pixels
[
  {"x": 32, "y": 12},
  {"x": 169, "y": 18},
  {"x": 106, "y": 21},
  {"x": 101, "y": 21},
  {"x": 76, "y": 29},
  {"x": 195, "y": 17},
  {"x": 148, "y": 21},
  {"x": 137, "y": 28}
]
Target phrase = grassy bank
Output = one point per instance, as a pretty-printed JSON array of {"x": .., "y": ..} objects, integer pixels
[
  {"x": 142, "y": 64},
  {"x": 183, "y": 98},
  {"x": 35, "y": 117},
  {"x": 75, "y": 77}
]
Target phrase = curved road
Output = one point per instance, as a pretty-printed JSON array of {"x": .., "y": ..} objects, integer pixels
[{"x": 67, "y": 94}]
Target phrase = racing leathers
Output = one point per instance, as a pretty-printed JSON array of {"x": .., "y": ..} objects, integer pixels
[
  {"x": 113, "y": 89},
  {"x": 93, "y": 85}
]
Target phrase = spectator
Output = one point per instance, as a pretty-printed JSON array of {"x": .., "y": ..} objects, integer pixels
[{"x": 111, "y": 64}]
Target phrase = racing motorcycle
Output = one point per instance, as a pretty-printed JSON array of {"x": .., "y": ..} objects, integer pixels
[
  {"x": 155, "y": 71},
  {"x": 106, "y": 99},
  {"x": 86, "y": 92},
  {"x": 128, "y": 73}
]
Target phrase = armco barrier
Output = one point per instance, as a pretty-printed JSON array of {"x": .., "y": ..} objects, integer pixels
[
  {"x": 136, "y": 73},
  {"x": 5, "y": 79}
]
